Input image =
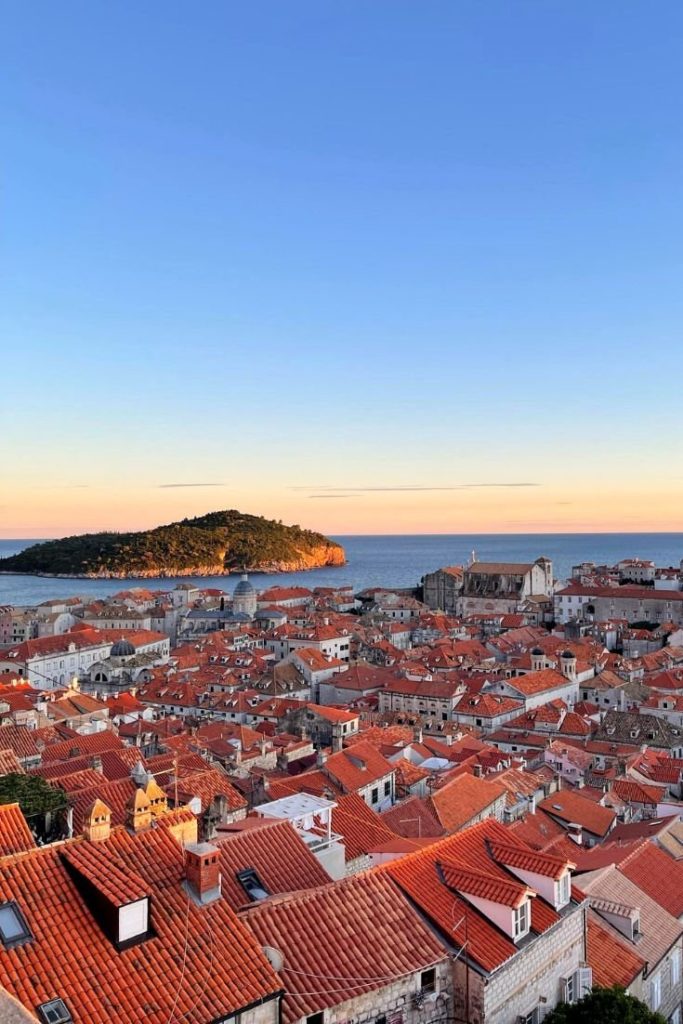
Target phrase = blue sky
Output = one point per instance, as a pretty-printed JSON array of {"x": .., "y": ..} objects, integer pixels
[{"x": 298, "y": 250}]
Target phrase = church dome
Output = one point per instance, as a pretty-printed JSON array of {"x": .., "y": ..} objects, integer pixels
[
  {"x": 536, "y": 651},
  {"x": 244, "y": 587},
  {"x": 567, "y": 654},
  {"x": 122, "y": 649}
]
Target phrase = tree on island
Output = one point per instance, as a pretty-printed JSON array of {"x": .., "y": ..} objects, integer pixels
[{"x": 604, "y": 1006}]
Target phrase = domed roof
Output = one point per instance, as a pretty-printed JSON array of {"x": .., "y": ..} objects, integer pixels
[
  {"x": 244, "y": 587},
  {"x": 122, "y": 649},
  {"x": 567, "y": 654},
  {"x": 536, "y": 651}
]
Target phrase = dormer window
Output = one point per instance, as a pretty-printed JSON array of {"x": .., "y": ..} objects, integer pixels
[
  {"x": 562, "y": 890},
  {"x": 521, "y": 920},
  {"x": 14, "y": 931}
]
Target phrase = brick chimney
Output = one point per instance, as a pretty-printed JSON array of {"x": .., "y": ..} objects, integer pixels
[
  {"x": 97, "y": 825},
  {"x": 203, "y": 871}
]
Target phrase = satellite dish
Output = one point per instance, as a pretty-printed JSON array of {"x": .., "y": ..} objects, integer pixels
[{"x": 274, "y": 957}]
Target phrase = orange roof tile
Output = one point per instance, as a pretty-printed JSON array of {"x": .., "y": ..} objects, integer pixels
[
  {"x": 15, "y": 835},
  {"x": 613, "y": 962},
  {"x": 359, "y": 928},
  {"x": 273, "y": 849},
  {"x": 462, "y": 799},
  {"x": 658, "y": 875},
  {"x": 421, "y": 875},
  {"x": 155, "y": 980}
]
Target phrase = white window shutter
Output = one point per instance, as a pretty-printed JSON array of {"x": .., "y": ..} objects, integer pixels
[
  {"x": 564, "y": 990},
  {"x": 585, "y": 981}
]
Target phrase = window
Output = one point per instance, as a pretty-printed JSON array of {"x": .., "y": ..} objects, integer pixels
[
  {"x": 387, "y": 788},
  {"x": 655, "y": 992},
  {"x": 676, "y": 967},
  {"x": 374, "y": 796},
  {"x": 563, "y": 889},
  {"x": 316, "y": 1018},
  {"x": 428, "y": 981},
  {"x": 14, "y": 930},
  {"x": 252, "y": 884},
  {"x": 534, "y": 1017},
  {"x": 520, "y": 920},
  {"x": 54, "y": 1012}
]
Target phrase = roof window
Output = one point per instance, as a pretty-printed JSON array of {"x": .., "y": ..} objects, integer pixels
[
  {"x": 252, "y": 884},
  {"x": 54, "y": 1012},
  {"x": 14, "y": 931}
]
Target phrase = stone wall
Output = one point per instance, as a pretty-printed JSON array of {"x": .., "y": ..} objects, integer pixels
[
  {"x": 398, "y": 1001},
  {"x": 535, "y": 973}
]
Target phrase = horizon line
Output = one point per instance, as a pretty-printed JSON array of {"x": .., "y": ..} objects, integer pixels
[{"x": 494, "y": 533}]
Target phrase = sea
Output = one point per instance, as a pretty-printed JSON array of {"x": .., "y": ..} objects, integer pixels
[{"x": 374, "y": 561}]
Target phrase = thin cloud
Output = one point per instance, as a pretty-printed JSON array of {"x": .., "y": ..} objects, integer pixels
[
  {"x": 164, "y": 486},
  {"x": 334, "y": 495},
  {"x": 337, "y": 491}
]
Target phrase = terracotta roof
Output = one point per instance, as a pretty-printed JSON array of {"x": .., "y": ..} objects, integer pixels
[
  {"x": 413, "y": 818},
  {"x": 361, "y": 927},
  {"x": 21, "y": 740},
  {"x": 110, "y": 876},
  {"x": 462, "y": 799},
  {"x": 538, "y": 682},
  {"x": 572, "y": 808},
  {"x": 200, "y": 963},
  {"x": 611, "y": 959},
  {"x": 94, "y": 743},
  {"x": 637, "y": 792},
  {"x": 421, "y": 875},
  {"x": 15, "y": 835},
  {"x": 357, "y": 767},
  {"x": 10, "y": 763},
  {"x": 207, "y": 785},
  {"x": 279, "y": 856},
  {"x": 485, "y": 886},
  {"x": 514, "y": 855},
  {"x": 359, "y": 826},
  {"x": 658, "y": 875},
  {"x": 610, "y": 890}
]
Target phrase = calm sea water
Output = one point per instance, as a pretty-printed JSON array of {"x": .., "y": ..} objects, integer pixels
[{"x": 384, "y": 561}]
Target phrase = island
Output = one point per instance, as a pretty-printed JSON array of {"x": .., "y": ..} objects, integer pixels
[{"x": 211, "y": 545}]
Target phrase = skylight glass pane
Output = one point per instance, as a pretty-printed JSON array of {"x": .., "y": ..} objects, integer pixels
[{"x": 11, "y": 925}]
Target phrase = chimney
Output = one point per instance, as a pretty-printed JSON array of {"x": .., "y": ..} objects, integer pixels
[
  {"x": 321, "y": 758},
  {"x": 97, "y": 825},
  {"x": 417, "y": 734},
  {"x": 96, "y": 763},
  {"x": 203, "y": 872},
  {"x": 477, "y": 771},
  {"x": 158, "y": 802},
  {"x": 138, "y": 812},
  {"x": 575, "y": 833}
]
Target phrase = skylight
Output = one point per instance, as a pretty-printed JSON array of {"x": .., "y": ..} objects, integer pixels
[
  {"x": 54, "y": 1012},
  {"x": 14, "y": 930},
  {"x": 252, "y": 884}
]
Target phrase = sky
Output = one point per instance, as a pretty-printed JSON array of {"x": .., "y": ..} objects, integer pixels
[{"x": 386, "y": 267}]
